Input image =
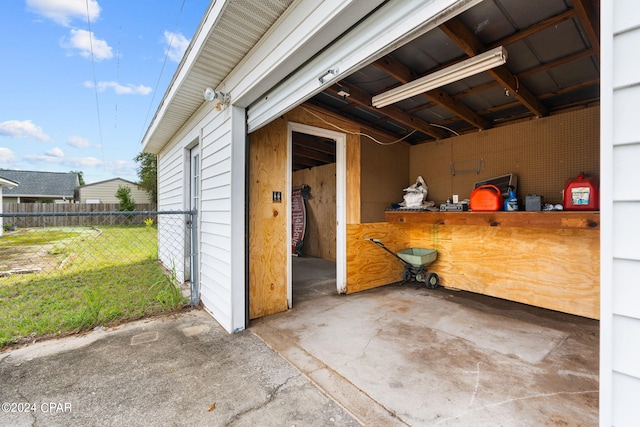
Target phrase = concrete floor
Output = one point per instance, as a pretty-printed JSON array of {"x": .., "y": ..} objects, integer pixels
[{"x": 397, "y": 355}]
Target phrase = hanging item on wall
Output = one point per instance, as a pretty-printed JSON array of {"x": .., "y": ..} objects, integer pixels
[{"x": 298, "y": 217}]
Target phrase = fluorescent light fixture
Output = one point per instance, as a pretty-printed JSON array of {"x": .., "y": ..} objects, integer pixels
[
  {"x": 469, "y": 67},
  {"x": 330, "y": 74}
]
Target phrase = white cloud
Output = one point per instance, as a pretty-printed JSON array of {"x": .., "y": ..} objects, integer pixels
[
  {"x": 6, "y": 155},
  {"x": 86, "y": 42},
  {"x": 23, "y": 129},
  {"x": 55, "y": 152},
  {"x": 176, "y": 45},
  {"x": 80, "y": 163},
  {"x": 64, "y": 11},
  {"x": 78, "y": 142},
  {"x": 71, "y": 162},
  {"x": 120, "y": 89}
]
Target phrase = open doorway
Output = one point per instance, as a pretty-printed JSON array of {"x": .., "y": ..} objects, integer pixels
[{"x": 317, "y": 165}]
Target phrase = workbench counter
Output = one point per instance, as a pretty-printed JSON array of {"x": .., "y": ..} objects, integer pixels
[{"x": 555, "y": 219}]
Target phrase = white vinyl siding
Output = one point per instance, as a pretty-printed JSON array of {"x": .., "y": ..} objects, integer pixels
[
  {"x": 171, "y": 190},
  {"x": 222, "y": 255},
  {"x": 221, "y": 287},
  {"x": 171, "y": 178},
  {"x": 620, "y": 289},
  {"x": 215, "y": 220}
]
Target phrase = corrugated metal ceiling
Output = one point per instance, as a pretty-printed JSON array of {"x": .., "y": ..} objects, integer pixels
[{"x": 553, "y": 64}]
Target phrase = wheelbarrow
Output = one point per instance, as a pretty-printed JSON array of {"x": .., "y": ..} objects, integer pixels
[{"x": 415, "y": 262}]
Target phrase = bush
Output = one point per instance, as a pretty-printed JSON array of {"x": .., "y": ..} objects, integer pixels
[{"x": 126, "y": 201}]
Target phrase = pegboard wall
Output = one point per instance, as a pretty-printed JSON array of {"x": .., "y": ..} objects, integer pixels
[{"x": 542, "y": 152}]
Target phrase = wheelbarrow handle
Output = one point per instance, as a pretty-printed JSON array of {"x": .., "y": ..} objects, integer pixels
[{"x": 379, "y": 243}]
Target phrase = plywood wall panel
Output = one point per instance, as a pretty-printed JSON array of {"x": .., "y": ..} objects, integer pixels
[
  {"x": 555, "y": 269},
  {"x": 436, "y": 237},
  {"x": 320, "y": 234},
  {"x": 267, "y": 221},
  {"x": 384, "y": 174},
  {"x": 368, "y": 265}
]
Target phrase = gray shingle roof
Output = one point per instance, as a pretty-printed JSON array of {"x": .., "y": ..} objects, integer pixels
[{"x": 41, "y": 184}]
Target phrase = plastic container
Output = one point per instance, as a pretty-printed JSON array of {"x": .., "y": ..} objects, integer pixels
[
  {"x": 581, "y": 194},
  {"x": 486, "y": 198},
  {"x": 418, "y": 256},
  {"x": 511, "y": 204}
]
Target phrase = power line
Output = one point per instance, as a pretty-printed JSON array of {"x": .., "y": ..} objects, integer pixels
[
  {"x": 155, "y": 90},
  {"x": 95, "y": 81}
]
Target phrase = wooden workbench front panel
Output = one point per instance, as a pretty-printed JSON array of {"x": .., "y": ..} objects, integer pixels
[
  {"x": 368, "y": 265},
  {"x": 558, "y": 269}
]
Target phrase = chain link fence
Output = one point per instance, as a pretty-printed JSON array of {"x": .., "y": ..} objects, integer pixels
[{"x": 102, "y": 256}]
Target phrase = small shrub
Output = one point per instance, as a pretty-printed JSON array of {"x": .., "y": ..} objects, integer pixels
[{"x": 127, "y": 204}]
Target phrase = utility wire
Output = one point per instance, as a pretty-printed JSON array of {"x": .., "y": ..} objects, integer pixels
[
  {"x": 95, "y": 81},
  {"x": 164, "y": 62}
]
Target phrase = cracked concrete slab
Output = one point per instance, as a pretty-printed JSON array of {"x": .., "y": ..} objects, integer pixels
[
  {"x": 182, "y": 370},
  {"x": 397, "y": 355}
]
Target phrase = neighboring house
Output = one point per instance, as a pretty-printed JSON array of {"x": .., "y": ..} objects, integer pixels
[
  {"x": 36, "y": 186},
  {"x": 8, "y": 184},
  {"x": 232, "y": 158},
  {"x": 105, "y": 192}
]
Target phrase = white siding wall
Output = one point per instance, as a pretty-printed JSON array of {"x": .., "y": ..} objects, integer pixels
[
  {"x": 171, "y": 189},
  {"x": 215, "y": 219},
  {"x": 620, "y": 324},
  {"x": 221, "y": 286},
  {"x": 222, "y": 254}
]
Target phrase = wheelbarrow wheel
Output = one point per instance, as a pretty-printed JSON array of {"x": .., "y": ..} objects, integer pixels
[
  {"x": 433, "y": 281},
  {"x": 406, "y": 275}
]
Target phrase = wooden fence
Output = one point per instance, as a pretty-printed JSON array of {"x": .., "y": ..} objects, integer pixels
[{"x": 73, "y": 214}]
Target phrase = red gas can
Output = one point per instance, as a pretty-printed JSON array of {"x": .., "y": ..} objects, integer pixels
[
  {"x": 486, "y": 198},
  {"x": 581, "y": 194}
]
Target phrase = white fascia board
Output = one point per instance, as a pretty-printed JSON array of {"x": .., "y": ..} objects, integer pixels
[
  {"x": 303, "y": 31},
  {"x": 391, "y": 26},
  {"x": 7, "y": 183},
  {"x": 213, "y": 14}
]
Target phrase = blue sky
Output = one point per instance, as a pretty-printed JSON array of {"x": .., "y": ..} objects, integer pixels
[{"x": 79, "y": 93}]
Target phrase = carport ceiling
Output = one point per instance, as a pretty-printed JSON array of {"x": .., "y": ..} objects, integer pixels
[{"x": 553, "y": 64}]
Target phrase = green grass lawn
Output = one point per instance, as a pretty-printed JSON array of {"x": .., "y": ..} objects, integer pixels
[{"x": 102, "y": 277}]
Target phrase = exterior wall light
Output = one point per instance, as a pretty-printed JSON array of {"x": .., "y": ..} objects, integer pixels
[{"x": 220, "y": 99}]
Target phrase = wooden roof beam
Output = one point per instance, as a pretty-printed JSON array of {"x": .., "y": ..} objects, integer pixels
[
  {"x": 402, "y": 73},
  {"x": 589, "y": 22},
  {"x": 529, "y": 72},
  {"x": 469, "y": 43},
  {"x": 301, "y": 151},
  {"x": 363, "y": 98}
]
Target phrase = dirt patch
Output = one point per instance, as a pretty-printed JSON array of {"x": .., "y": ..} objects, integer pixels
[{"x": 38, "y": 250}]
